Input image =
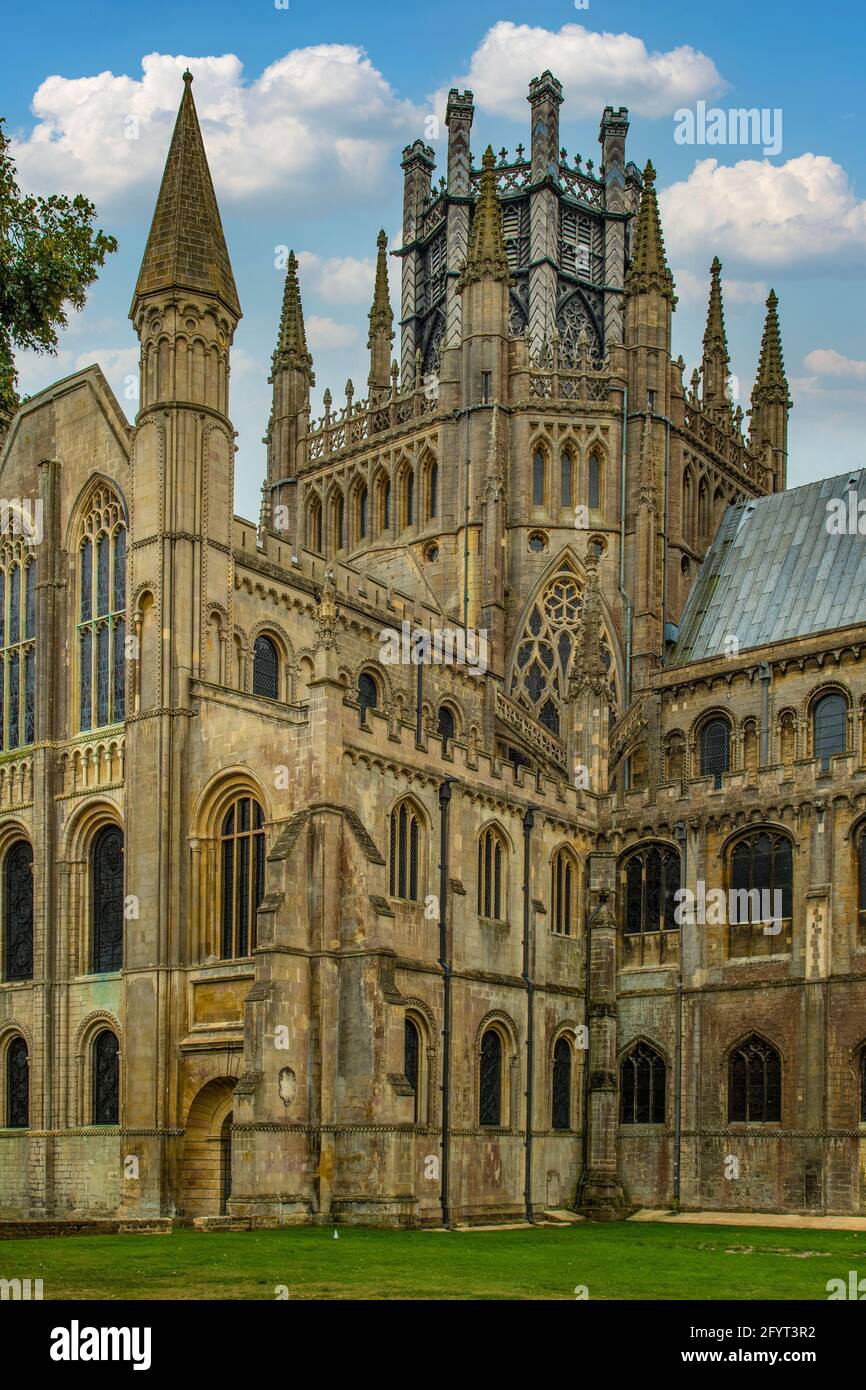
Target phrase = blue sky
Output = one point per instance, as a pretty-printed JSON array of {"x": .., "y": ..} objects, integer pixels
[{"x": 306, "y": 110}]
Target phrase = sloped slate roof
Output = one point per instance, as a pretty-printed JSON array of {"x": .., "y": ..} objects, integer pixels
[{"x": 775, "y": 572}]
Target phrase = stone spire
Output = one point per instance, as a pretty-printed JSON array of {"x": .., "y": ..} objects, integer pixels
[
  {"x": 771, "y": 383},
  {"x": 381, "y": 334},
  {"x": 768, "y": 430},
  {"x": 291, "y": 351},
  {"x": 486, "y": 259},
  {"x": 186, "y": 247},
  {"x": 649, "y": 269},
  {"x": 716, "y": 360}
]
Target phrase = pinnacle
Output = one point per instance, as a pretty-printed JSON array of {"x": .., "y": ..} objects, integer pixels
[
  {"x": 291, "y": 349},
  {"x": 381, "y": 314},
  {"x": 487, "y": 259},
  {"x": 771, "y": 363},
  {"x": 649, "y": 269},
  {"x": 715, "y": 336},
  {"x": 186, "y": 246}
]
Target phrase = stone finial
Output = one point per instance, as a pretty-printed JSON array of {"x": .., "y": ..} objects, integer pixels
[
  {"x": 291, "y": 351},
  {"x": 649, "y": 269},
  {"x": 486, "y": 259},
  {"x": 771, "y": 385}
]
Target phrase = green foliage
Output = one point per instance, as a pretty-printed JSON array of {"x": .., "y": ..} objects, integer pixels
[{"x": 49, "y": 255}]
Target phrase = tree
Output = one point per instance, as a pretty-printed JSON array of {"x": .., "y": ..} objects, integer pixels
[{"x": 49, "y": 255}]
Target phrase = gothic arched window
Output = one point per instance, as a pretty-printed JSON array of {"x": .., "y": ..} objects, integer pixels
[
  {"x": 266, "y": 668},
  {"x": 715, "y": 749},
  {"x": 101, "y": 627},
  {"x": 106, "y": 872},
  {"x": 754, "y": 1082},
  {"x": 406, "y": 847},
  {"x": 761, "y": 880},
  {"x": 594, "y": 489},
  {"x": 106, "y": 1079},
  {"x": 445, "y": 726},
  {"x": 17, "y": 631},
  {"x": 363, "y": 501},
  {"x": 650, "y": 879},
  {"x": 18, "y": 924},
  {"x": 861, "y": 881},
  {"x": 242, "y": 878},
  {"x": 337, "y": 520},
  {"x": 565, "y": 478},
  {"x": 314, "y": 524},
  {"x": 492, "y": 863},
  {"x": 538, "y": 479},
  {"x": 386, "y": 505},
  {"x": 561, "y": 1085},
  {"x": 409, "y": 494},
  {"x": 412, "y": 1061},
  {"x": 642, "y": 1087},
  {"x": 17, "y": 1085},
  {"x": 490, "y": 1079},
  {"x": 368, "y": 694},
  {"x": 545, "y": 656},
  {"x": 829, "y": 720},
  {"x": 563, "y": 892},
  {"x": 433, "y": 490}
]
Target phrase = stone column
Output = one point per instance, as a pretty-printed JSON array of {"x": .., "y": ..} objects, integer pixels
[{"x": 601, "y": 1196}]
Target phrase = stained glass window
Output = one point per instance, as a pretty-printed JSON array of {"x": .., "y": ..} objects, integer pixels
[
  {"x": 17, "y": 1085},
  {"x": 754, "y": 1082},
  {"x": 405, "y": 849},
  {"x": 642, "y": 1087},
  {"x": 650, "y": 880},
  {"x": 106, "y": 868},
  {"x": 538, "y": 479},
  {"x": 106, "y": 1079},
  {"x": 102, "y": 610},
  {"x": 761, "y": 877},
  {"x": 17, "y": 635},
  {"x": 490, "y": 1079},
  {"x": 266, "y": 668},
  {"x": 830, "y": 717},
  {"x": 491, "y": 875},
  {"x": 243, "y": 876},
  {"x": 412, "y": 1060},
  {"x": 715, "y": 749},
  {"x": 563, "y": 894},
  {"x": 19, "y": 912},
  {"x": 561, "y": 1085},
  {"x": 546, "y": 653},
  {"x": 565, "y": 479},
  {"x": 594, "y": 491}
]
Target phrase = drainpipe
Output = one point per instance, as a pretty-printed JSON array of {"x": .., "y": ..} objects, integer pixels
[
  {"x": 445, "y": 963},
  {"x": 681, "y": 837},
  {"x": 625, "y": 598},
  {"x": 528, "y": 823},
  {"x": 765, "y": 676}
]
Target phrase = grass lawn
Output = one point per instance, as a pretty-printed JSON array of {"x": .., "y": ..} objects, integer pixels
[{"x": 613, "y": 1261}]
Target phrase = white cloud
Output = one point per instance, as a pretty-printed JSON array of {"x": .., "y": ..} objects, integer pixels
[
  {"x": 595, "y": 69},
  {"x": 694, "y": 288},
  {"x": 337, "y": 279},
  {"x": 324, "y": 333},
  {"x": 826, "y": 362},
  {"x": 803, "y": 211},
  {"x": 320, "y": 118}
]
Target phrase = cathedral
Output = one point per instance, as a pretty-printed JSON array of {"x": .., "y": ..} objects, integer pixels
[{"x": 401, "y": 857}]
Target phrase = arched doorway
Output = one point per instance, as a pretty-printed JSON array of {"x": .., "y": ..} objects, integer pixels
[{"x": 207, "y": 1150}]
